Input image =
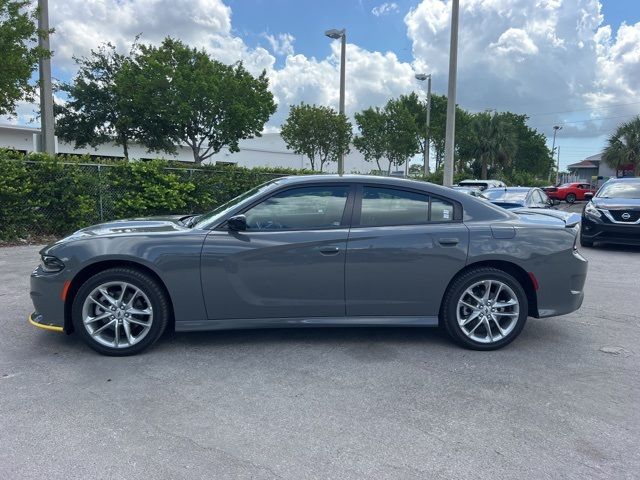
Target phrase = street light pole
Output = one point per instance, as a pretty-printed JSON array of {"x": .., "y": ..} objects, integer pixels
[
  {"x": 427, "y": 143},
  {"x": 342, "y": 34},
  {"x": 451, "y": 97},
  {"x": 553, "y": 149},
  {"x": 47, "y": 139}
]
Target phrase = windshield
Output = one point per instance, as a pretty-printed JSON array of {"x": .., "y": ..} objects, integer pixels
[
  {"x": 214, "y": 215},
  {"x": 505, "y": 196},
  {"x": 620, "y": 190}
]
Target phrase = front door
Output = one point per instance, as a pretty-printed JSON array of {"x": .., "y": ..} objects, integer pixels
[
  {"x": 289, "y": 263},
  {"x": 403, "y": 249}
]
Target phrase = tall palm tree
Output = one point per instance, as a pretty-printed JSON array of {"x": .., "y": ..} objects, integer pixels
[
  {"x": 494, "y": 142},
  {"x": 623, "y": 147}
]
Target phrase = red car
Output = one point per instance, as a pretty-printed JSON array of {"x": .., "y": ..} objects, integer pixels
[{"x": 570, "y": 192}]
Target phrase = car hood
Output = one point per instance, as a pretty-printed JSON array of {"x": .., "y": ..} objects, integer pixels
[
  {"x": 615, "y": 203},
  {"x": 146, "y": 225}
]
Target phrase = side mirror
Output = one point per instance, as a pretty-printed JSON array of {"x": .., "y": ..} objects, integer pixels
[
  {"x": 588, "y": 195},
  {"x": 237, "y": 223}
]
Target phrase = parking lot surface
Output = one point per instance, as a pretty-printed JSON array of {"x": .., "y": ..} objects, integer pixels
[{"x": 378, "y": 403}]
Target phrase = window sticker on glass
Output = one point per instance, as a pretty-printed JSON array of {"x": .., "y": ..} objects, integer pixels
[{"x": 441, "y": 210}]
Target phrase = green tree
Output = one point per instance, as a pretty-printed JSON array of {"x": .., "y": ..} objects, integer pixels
[
  {"x": 623, "y": 146},
  {"x": 493, "y": 142},
  {"x": 532, "y": 155},
  {"x": 20, "y": 53},
  {"x": 179, "y": 93},
  {"x": 389, "y": 133},
  {"x": 318, "y": 132},
  {"x": 96, "y": 111},
  {"x": 372, "y": 141}
]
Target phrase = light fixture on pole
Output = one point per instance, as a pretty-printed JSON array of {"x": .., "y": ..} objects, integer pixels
[
  {"x": 47, "y": 139},
  {"x": 553, "y": 150},
  {"x": 340, "y": 34},
  {"x": 422, "y": 77},
  {"x": 449, "y": 142}
]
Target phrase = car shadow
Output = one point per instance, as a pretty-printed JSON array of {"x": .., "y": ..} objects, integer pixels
[
  {"x": 308, "y": 335},
  {"x": 610, "y": 247}
]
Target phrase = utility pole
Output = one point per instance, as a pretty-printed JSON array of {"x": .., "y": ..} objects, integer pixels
[
  {"x": 558, "y": 169},
  {"x": 342, "y": 34},
  {"x": 553, "y": 148},
  {"x": 427, "y": 143},
  {"x": 47, "y": 139},
  {"x": 449, "y": 143}
]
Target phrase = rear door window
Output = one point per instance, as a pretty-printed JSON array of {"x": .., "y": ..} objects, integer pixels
[{"x": 389, "y": 206}]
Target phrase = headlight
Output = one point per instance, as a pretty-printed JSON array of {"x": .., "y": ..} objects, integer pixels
[
  {"x": 51, "y": 264},
  {"x": 591, "y": 210}
]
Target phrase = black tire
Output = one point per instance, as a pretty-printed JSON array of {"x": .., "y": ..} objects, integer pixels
[
  {"x": 454, "y": 293},
  {"x": 142, "y": 281},
  {"x": 571, "y": 198},
  {"x": 585, "y": 243}
]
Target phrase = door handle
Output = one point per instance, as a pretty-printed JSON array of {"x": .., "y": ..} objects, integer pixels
[
  {"x": 329, "y": 250},
  {"x": 448, "y": 242}
]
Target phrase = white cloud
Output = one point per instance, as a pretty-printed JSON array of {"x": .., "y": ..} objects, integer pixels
[
  {"x": 372, "y": 77},
  {"x": 281, "y": 44},
  {"x": 522, "y": 55},
  {"x": 542, "y": 56},
  {"x": 384, "y": 9}
]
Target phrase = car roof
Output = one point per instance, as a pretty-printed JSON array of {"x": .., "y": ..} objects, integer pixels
[
  {"x": 510, "y": 189},
  {"x": 624, "y": 179},
  {"x": 370, "y": 179}
]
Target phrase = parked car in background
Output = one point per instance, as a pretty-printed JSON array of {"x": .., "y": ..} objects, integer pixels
[
  {"x": 474, "y": 192},
  {"x": 613, "y": 214},
  {"x": 316, "y": 250},
  {"x": 482, "y": 184},
  {"x": 570, "y": 192},
  {"x": 518, "y": 197}
]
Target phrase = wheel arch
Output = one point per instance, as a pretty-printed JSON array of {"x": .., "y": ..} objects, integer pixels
[
  {"x": 512, "y": 269},
  {"x": 89, "y": 270}
]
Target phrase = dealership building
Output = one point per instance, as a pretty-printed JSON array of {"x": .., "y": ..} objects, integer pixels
[{"x": 269, "y": 150}]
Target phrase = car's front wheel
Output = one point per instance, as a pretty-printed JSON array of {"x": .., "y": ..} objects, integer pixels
[
  {"x": 571, "y": 198},
  {"x": 120, "y": 311},
  {"x": 484, "y": 309}
]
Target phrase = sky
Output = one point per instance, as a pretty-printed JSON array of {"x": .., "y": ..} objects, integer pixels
[{"x": 574, "y": 63}]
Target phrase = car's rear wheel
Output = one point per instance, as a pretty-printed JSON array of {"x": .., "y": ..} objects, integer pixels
[
  {"x": 120, "y": 311},
  {"x": 571, "y": 197},
  {"x": 484, "y": 309}
]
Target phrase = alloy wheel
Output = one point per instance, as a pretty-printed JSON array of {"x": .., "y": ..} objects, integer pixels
[
  {"x": 117, "y": 314},
  {"x": 488, "y": 311}
]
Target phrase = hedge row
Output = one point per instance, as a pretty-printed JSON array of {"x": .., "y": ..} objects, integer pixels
[{"x": 43, "y": 196}]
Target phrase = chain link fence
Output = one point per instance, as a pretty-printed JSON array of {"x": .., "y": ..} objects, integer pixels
[{"x": 44, "y": 200}]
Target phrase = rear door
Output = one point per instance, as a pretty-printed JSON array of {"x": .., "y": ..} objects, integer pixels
[{"x": 403, "y": 249}]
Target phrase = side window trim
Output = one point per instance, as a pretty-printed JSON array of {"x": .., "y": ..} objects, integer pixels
[
  {"x": 357, "y": 207},
  {"x": 346, "y": 215}
]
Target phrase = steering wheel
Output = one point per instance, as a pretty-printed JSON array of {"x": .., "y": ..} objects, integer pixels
[{"x": 269, "y": 225}]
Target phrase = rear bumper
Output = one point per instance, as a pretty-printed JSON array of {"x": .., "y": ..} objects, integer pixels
[
  {"x": 561, "y": 291},
  {"x": 599, "y": 231}
]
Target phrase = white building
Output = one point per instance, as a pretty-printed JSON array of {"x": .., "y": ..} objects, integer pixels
[{"x": 266, "y": 151}]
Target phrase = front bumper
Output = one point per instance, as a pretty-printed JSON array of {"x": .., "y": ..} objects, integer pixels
[
  {"x": 37, "y": 320},
  {"x": 597, "y": 230},
  {"x": 47, "y": 297}
]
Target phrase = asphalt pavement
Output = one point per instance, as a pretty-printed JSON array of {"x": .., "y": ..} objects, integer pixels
[{"x": 377, "y": 403}]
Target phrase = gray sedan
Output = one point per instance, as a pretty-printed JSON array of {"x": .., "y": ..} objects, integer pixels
[{"x": 315, "y": 251}]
